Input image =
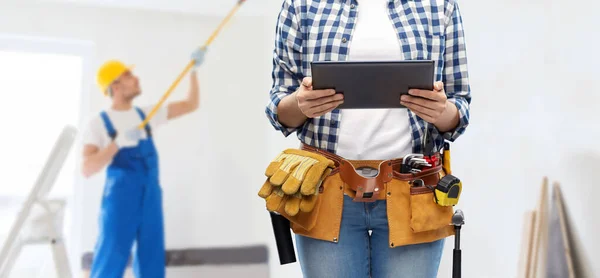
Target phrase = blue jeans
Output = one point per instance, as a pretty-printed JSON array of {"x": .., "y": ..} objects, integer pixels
[{"x": 360, "y": 255}]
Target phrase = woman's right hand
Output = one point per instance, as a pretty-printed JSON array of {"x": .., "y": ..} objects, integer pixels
[{"x": 315, "y": 103}]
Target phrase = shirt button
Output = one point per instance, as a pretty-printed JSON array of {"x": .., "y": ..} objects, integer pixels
[
  {"x": 344, "y": 40},
  {"x": 352, "y": 6}
]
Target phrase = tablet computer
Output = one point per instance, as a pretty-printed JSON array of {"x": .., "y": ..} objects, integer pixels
[{"x": 372, "y": 84}]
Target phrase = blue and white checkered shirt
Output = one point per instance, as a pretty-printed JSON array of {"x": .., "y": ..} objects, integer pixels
[{"x": 313, "y": 30}]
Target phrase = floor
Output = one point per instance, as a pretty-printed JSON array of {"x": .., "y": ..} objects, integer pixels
[{"x": 36, "y": 261}]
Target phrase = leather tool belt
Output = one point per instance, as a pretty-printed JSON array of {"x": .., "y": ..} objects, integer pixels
[{"x": 369, "y": 185}]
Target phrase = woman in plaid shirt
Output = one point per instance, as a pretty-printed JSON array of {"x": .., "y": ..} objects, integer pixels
[{"x": 337, "y": 30}]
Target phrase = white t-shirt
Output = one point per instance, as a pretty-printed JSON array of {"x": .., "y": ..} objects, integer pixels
[
  {"x": 97, "y": 134},
  {"x": 374, "y": 134}
]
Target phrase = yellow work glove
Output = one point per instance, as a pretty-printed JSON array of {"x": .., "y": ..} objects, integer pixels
[{"x": 293, "y": 179}]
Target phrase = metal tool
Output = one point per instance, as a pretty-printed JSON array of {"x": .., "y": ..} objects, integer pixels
[
  {"x": 428, "y": 144},
  {"x": 417, "y": 162},
  {"x": 429, "y": 150},
  {"x": 411, "y": 163},
  {"x": 418, "y": 183},
  {"x": 458, "y": 219},
  {"x": 411, "y": 156}
]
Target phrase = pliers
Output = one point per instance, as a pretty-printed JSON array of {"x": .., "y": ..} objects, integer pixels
[
  {"x": 428, "y": 144},
  {"x": 414, "y": 163}
]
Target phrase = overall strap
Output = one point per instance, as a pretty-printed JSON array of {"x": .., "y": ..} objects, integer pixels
[
  {"x": 108, "y": 125},
  {"x": 143, "y": 116}
]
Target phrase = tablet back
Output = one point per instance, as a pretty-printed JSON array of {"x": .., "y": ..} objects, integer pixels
[{"x": 372, "y": 84}]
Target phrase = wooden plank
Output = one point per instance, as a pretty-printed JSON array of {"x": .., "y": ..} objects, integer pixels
[
  {"x": 544, "y": 211},
  {"x": 539, "y": 233},
  {"x": 526, "y": 241},
  {"x": 560, "y": 258}
]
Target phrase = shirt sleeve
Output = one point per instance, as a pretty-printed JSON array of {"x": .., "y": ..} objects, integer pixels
[
  {"x": 160, "y": 117},
  {"x": 455, "y": 74},
  {"x": 287, "y": 61},
  {"x": 95, "y": 133}
]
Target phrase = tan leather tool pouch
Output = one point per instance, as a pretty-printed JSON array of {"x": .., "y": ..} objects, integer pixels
[{"x": 426, "y": 215}]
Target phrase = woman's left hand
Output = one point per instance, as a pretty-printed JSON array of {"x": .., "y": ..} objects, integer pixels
[{"x": 429, "y": 105}]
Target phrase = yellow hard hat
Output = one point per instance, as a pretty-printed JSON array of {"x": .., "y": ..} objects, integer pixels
[{"x": 109, "y": 72}]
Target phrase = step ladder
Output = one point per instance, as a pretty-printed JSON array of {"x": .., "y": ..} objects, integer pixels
[{"x": 40, "y": 220}]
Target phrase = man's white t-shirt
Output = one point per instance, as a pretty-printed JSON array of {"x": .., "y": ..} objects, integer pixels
[
  {"x": 374, "y": 134},
  {"x": 122, "y": 120}
]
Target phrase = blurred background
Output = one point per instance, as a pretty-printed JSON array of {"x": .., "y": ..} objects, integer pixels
[{"x": 534, "y": 75}]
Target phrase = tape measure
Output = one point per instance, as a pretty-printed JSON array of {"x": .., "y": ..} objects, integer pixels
[{"x": 447, "y": 192}]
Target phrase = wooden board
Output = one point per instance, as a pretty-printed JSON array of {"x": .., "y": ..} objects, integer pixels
[
  {"x": 540, "y": 231},
  {"x": 560, "y": 256},
  {"x": 526, "y": 241},
  {"x": 544, "y": 212},
  {"x": 532, "y": 258}
]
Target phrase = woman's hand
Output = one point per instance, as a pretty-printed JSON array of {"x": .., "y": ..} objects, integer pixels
[
  {"x": 432, "y": 106},
  {"x": 315, "y": 103}
]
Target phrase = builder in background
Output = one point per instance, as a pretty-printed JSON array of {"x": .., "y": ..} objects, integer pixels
[{"x": 132, "y": 202}]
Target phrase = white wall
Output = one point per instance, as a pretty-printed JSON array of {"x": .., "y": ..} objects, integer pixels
[
  {"x": 572, "y": 34},
  {"x": 532, "y": 74},
  {"x": 214, "y": 8}
]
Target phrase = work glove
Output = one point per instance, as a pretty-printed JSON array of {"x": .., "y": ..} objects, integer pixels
[
  {"x": 129, "y": 138},
  {"x": 293, "y": 180},
  {"x": 198, "y": 56}
]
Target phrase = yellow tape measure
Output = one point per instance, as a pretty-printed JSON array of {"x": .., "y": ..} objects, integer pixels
[{"x": 447, "y": 192}]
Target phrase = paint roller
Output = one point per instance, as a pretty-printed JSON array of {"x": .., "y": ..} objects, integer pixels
[{"x": 191, "y": 63}]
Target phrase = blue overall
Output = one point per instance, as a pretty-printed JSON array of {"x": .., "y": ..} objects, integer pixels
[{"x": 131, "y": 212}]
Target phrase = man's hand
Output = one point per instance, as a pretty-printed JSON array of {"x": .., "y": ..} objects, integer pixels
[
  {"x": 315, "y": 103},
  {"x": 129, "y": 138},
  {"x": 429, "y": 105},
  {"x": 198, "y": 56},
  {"x": 94, "y": 158}
]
